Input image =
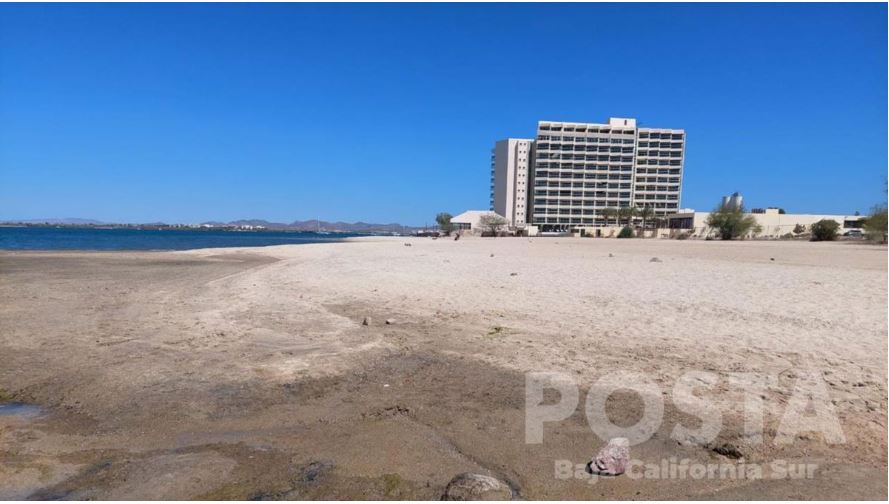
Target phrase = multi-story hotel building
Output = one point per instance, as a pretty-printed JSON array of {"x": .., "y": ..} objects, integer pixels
[
  {"x": 578, "y": 169},
  {"x": 510, "y": 179}
]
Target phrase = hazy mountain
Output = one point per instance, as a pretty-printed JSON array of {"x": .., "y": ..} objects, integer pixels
[
  {"x": 315, "y": 225},
  {"x": 307, "y": 225},
  {"x": 71, "y": 221}
]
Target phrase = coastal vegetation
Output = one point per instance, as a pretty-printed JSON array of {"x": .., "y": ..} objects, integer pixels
[
  {"x": 875, "y": 225},
  {"x": 491, "y": 223},
  {"x": 732, "y": 222},
  {"x": 443, "y": 220},
  {"x": 625, "y": 232},
  {"x": 627, "y": 213},
  {"x": 825, "y": 230}
]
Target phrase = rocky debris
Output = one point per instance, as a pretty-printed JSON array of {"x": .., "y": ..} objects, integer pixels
[
  {"x": 367, "y": 321},
  {"x": 610, "y": 254},
  {"x": 316, "y": 470},
  {"x": 771, "y": 258},
  {"x": 655, "y": 259},
  {"x": 390, "y": 321},
  {"x": 612, "y": 459},
  {"x": 470, "y": 486},
  {"x": 408, "y": 245},
  {"x": 496, "y": 331},
  {"x": 513, "y": 274},
  {"x": 492, "y": 255},
  {"x": 727, "y": 450}
]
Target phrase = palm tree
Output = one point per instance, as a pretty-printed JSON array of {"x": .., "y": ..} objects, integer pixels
[
  {"x": 658, "y": 222},
  {"x": 647, "y": 214},
  {"x": 608, "y": 213},
  {"x": 628, "y": 213}
]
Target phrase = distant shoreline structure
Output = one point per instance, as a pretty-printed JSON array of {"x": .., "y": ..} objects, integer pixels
[{"x": 255, "y": 225}]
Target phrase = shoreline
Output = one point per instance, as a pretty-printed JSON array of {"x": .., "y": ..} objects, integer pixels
[{"x": 249, "y": 368}]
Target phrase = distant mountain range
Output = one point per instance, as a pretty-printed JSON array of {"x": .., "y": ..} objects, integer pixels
[
  {"x": 315, "y": 225},
  {"x": 67, "y": 221},
  {"x": 307, "y": 225}
]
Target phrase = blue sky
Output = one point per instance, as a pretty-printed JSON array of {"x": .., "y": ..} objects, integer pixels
[{"x": 186, "y": 113}]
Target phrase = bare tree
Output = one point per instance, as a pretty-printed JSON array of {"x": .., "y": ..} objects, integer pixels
[{"x": 492, "y": 223}]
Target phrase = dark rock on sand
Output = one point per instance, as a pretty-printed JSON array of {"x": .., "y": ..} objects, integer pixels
[{"x": 728, "y": 450}]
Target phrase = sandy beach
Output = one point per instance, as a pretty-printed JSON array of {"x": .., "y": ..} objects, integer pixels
[{"x": 249, "y": 373}]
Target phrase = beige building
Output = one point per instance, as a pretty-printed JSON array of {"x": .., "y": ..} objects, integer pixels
[
  {"x": 564, "y": 178},
  {"x": 510, "y": 180},
  {"x": 774, "y": 224}
]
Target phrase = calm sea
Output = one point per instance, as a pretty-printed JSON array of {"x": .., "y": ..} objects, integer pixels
[{"x": 48, "y": 238}]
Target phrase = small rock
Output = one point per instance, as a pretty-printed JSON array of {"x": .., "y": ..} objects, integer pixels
[
  {"x": 771, "y": 258},
  {"x": 513, "y": 274},
  {"x": 367, "y": 321},
  {"x": 728, "y": 450},
  {"x": 655, "y": 259},
  {"x": 316, "y": 470},
  {"x": 390, "y": 321},
  {"x": 492, "y": 255},
  {"x": 407, "y": 245},
  {"x": 610, "y": 254},
  {"x": 612, "y": 459},
  {"x": 469, "y": 486}
]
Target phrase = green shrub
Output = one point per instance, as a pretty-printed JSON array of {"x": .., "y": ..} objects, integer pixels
[
  {"x": 825, "y": 230},
  {"x": 626, "y": 232},
  {"x": 875, "y": 226},
  {"x": 444, "y": 223},
  {"x": 731, "y": 223}
]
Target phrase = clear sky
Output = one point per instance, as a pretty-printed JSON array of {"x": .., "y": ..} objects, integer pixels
[{"x": 382, "y": 113}]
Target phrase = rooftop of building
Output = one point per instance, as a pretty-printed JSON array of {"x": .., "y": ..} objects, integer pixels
[{"x": 613, "y": 122}]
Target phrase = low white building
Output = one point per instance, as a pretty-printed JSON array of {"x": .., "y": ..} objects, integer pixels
[
  {"x": 773, "y": 223},
  {"x": 470, "y": 220}
]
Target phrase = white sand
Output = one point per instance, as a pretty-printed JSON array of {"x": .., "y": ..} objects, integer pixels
[{"x": 770, "y": 308}]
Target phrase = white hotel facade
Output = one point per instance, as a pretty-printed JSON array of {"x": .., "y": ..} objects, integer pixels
[{"x": 562, "y": 179}]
